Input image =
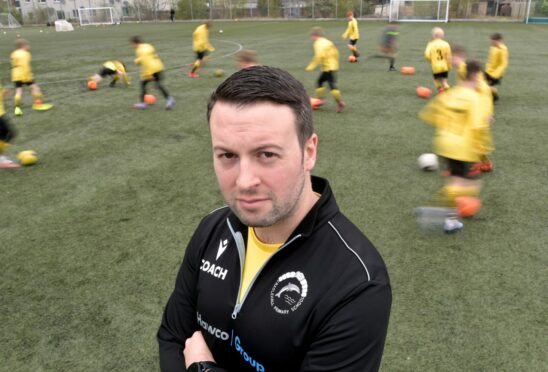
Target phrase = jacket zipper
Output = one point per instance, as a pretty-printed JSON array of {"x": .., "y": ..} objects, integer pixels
[{"x": 238, "y": 238}]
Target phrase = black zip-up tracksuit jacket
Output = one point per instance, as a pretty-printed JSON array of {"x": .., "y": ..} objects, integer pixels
[{"x": 320, "y": 303}]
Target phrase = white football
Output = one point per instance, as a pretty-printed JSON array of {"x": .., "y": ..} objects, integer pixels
[
  {"x": 428, "y": 162},
  {"x": 220, "y": 31}
]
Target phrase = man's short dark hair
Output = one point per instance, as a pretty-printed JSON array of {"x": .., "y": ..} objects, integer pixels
[
  {"x": 259, "y": 84},
  {"x": 496, "y": 37},
  {"x": 473, "y": 67},
  {"x": 136, "y": 40}
]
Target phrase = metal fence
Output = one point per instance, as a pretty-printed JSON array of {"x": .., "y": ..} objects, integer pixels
[
  {"x": 509, "y": 10},
  {"x": 43, "y": 11}
]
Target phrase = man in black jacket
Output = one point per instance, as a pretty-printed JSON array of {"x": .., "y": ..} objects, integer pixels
[{"x": 280, "y": 280}]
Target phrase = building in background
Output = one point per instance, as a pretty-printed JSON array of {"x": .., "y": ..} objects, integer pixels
[{"x": 48, "y": 11}]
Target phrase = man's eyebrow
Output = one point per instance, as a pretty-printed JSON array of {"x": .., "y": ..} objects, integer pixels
[
  {"x": 220, "y": 148},
  {"x": 269, "y": 147},
  {"x": 259, "y": 148}
]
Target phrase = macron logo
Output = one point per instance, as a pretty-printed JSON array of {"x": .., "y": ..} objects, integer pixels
[{"x": 223, "y": 244}]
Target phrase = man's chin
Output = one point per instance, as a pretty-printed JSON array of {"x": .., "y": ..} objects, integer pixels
[{"x": 253, "y": 220}]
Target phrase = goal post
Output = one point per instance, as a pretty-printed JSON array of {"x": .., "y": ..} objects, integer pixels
[
  {"x": 97, "y": 16},
  {"x": 419, "y": 11},
  {"x": 7, "y": 20}
]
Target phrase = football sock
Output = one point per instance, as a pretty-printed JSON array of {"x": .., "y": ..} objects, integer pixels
[
  {"x": 437, "y": 84},
  {"x": 448, "y": 194},
  {"x": 196, "y": 66},
  {"x": 392, "y": 60},
  {"x": 17, "y": 99},
  {"x": 320, "y": 92},
  {"x": 495, "y": 93},
  {"x": 3, "y": 146},
  {"x": 336, "y": 94},
  {"x": 37, "y": 95}
]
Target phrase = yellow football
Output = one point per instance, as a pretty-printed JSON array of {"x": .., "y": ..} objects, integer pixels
[
  {"x": 218, "y": 73},
  {"x": 27, "y": 157}
]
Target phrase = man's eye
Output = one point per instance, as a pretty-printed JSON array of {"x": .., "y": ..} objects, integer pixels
[
  {"x": 267, "y": 154},
  {"x": 227, "y": 155}
]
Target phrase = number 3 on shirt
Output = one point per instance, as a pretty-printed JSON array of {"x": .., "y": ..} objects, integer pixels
[{"x": 440, "y": 55}]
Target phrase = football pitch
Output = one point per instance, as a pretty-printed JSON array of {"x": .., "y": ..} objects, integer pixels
[{"x": 91, "y": 237}]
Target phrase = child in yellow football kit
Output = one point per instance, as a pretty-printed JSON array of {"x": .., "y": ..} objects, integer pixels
[
  {"x": 438, "y": 53},
  {"x": 201, "y": 46},
  {"x": 152, "y": 69},
  {"x": 326, "y": 54},
  {"x": 21, "y": 75},
  {"x": 116, "y": 69},
  {"x": 497, "y": 62},
  {"x": 352, "y": 33},
  {"x": 460, "y": 137},
  {"x": 486, "y": 105}
]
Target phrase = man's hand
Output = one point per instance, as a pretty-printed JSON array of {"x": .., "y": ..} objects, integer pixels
[{"x": 196, "y": 350}]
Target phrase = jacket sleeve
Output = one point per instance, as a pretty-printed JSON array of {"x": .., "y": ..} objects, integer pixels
[
  {"x": 179, "y": 318},
  {"x": 352, "y": 339}
]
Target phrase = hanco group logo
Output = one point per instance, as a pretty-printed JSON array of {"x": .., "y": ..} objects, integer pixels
[{"x": 289, "y": 292}]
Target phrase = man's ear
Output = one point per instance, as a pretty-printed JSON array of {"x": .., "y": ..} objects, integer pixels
[{"x": 310, "y": 151}]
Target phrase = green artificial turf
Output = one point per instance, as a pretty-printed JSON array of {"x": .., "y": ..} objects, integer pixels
[{"x": 92, "y": 236}]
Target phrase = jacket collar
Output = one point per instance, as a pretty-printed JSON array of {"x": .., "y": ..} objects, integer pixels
[{"x": 324, "y": 209}]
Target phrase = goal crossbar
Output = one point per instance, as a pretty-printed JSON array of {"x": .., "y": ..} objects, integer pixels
[
  {"x": 419, "y": 10},
  {"x": 96, "y": 16}
]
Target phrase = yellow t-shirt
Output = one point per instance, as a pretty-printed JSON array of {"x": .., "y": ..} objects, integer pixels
[
  {"x": 114, "y": 66},
  {"x": 325, "y": 54},
  {"x": 148, "y": 59},
  {"x": 438, "y": 53},
  {"x": 20, "y": 66},
  {"x": 486, "y": 106},
  {"x": 352, "y": 31},
  {"x": 200, "y": 39},
  {"x": 256, "y": 254},
  {"x": 2, "y": 110},
  {"x": 497, "y": 61},
  {"x": 460, "y": 127}
]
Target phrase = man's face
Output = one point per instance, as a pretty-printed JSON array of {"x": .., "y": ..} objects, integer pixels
[{"x": 260, "y": 166}]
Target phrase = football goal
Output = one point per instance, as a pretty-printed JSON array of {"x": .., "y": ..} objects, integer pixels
[
  {"x": 63, "y": 25},
  {"x": 419, "y": 10},
  {"x": 8, "y": 21},
  {"x": 97, "y": 16}
]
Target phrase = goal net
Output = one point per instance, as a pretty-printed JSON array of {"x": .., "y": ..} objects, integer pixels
[
  {"x": 63, "y": 25},
  {"x": 8, "y": 21},
  {"x": 419, "y": 10},
  {"x": 97, "y": 16}
]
